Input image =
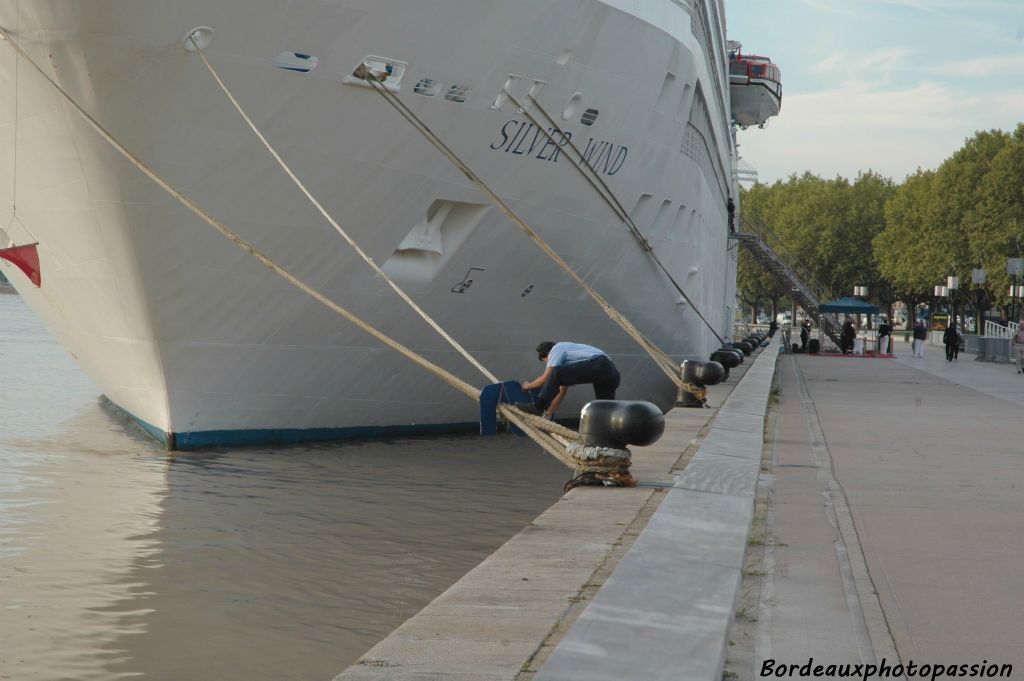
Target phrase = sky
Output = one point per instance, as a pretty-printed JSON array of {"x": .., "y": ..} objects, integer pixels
[{"x": 886, "y": 85}]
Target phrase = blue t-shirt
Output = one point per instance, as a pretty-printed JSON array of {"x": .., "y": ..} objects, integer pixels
[{"x": 567, "y": 353}]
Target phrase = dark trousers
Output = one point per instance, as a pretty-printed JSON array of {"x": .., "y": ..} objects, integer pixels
[
  {"x": 952, "y": 352},
  {"x": 600, "y": 371}
]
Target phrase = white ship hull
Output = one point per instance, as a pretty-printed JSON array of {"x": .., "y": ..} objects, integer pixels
[{"x": 203, "y": 345}]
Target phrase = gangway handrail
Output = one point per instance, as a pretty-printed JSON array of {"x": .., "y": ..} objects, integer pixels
[
  {"x": 997, "y": 330},
  {"x": 756, "y": 226}
]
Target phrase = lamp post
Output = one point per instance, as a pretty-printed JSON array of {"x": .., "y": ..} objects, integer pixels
[
  {"x": 978, "y": 278},
  {"x": 952, "y": 284},
  {"x": 860, "y": 292},
  {"x": 1014, "y": 267},
  {"x": 939, "y": 292},
  {"x": 1016, "y": 293}
]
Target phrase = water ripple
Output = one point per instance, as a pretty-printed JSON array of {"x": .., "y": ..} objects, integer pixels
[{"x": 119, "y": 561}]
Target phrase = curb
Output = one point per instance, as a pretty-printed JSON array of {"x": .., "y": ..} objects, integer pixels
[{"x": 666, "y": 610}]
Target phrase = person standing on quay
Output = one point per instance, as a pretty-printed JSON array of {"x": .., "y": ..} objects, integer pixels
[
  {"x": 805, "y": 333},
  {"x": 848, "y": 336},
  {"x": 1018, "y": 347},
  {"x": 951, "y": 339},
  {"x": 884, "y": 334},
  {"x": 920, "y": 333}
]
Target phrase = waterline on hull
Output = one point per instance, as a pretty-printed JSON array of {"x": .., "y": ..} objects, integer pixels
[{"x": 252, "y": 437}]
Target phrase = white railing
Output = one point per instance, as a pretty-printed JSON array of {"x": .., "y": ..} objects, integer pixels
[
  {"x": 741, "y": 329},
  {"x": 996, "y": 330}
]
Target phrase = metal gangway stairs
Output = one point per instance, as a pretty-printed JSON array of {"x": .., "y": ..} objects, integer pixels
[{"x": 788, "y": 272}]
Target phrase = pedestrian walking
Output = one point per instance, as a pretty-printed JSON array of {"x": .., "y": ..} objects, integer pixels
[
  {"x": 951, "y": 339},
  {"x": 805, "y": 333},
  {"x": 920, "y": 333}
]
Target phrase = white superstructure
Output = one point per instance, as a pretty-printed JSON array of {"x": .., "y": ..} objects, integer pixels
[{"x": 203, "y": 345}]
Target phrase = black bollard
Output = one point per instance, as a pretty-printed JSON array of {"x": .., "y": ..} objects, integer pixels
[
  {"x": 701, "y": 374},
  {"x": 727, "y": 358},
  {"x": 731, "y": 347},
  {"x": 617, "y": 423}
]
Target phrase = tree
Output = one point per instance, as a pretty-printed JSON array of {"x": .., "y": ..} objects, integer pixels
[
  {"x": 907, "y": 250},
  {"x": 827, "y": 225},
  {"x": 964, "y": 238},
  {"x": 755, "y": 286},
  {"x": 995, "y": 224}
]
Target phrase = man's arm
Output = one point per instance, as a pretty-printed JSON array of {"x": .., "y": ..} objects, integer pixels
[
  {"x": 558, "y": 400},
  {"x": 539, "y": 381}
]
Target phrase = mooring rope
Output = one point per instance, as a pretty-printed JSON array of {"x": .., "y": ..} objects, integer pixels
[
  {"x": 334, "y": 223},
  {"x": 541, "y": 433},
  {"x": 661, "y": 358},
  {"x": 531, "y": 421},
  {"x": 606, "y": 193}
]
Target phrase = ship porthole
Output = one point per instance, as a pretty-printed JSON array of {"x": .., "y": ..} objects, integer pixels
[
  {"x": 198, "y": 38},
  {"x": 572, "y": 107}
]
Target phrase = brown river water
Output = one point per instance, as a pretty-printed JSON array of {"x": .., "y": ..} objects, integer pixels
[{"x": 119, "y": 560}]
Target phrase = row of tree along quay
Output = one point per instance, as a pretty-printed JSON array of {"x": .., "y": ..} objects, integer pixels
[{"x": 900, "y": 240}]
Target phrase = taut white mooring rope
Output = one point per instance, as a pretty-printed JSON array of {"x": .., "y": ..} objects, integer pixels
[
  {"x": 660, "y": 357},
  {"x": 537, "y": 429}
]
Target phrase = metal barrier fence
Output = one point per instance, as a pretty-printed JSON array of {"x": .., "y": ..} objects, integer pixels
[
  {"x": 742, "y": 329},
  {"x": 995, "y": 349}
]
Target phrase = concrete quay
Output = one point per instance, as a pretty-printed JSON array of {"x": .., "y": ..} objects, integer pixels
[
  {"x": 892, "y": 502},
  {"x": 609, "y": 583}
]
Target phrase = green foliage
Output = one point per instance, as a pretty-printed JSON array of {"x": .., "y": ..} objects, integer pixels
[
  {"x": 753, "y": 284},
  {"x": 900, "y": 241},
  {"x": 907, "y": 248},
  {"x": 995, "y": 224},
  {"x": 827, "y": 225}
]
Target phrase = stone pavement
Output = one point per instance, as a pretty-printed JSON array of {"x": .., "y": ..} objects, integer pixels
[{"x": 894, "y": 516}]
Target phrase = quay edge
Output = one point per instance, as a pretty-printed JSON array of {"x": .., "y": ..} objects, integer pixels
[{"x": 532, "y": 610}]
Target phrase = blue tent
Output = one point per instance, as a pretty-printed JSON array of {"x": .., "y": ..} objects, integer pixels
[{"x": 850, "y": 305}]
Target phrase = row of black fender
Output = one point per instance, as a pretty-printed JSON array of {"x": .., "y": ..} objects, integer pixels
[
  {"x": 617, "y": 424},
  {"x": 713, "y": 372}
]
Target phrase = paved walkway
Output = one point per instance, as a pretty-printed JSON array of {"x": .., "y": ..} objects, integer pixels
[{"x": 896, "y": 513}]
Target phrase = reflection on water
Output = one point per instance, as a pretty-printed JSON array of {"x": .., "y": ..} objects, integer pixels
[{"x": 117, "y": 560}]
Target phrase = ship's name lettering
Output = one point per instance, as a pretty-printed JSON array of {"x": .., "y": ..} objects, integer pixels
[{"x": 526, "y": 139}]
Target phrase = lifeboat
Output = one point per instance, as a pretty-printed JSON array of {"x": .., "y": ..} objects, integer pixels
[{"x": 755, "y": 87}]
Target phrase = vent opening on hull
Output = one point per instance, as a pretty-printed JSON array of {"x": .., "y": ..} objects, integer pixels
[
  {"x": 296, "y": 61},
  {"x": 457, "y": 93},
  {"x": 427, "y": 87},
  {"x": 428, "y": 247}
]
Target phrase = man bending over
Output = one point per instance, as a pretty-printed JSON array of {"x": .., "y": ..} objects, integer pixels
[{"x": 570, "y": 364}]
